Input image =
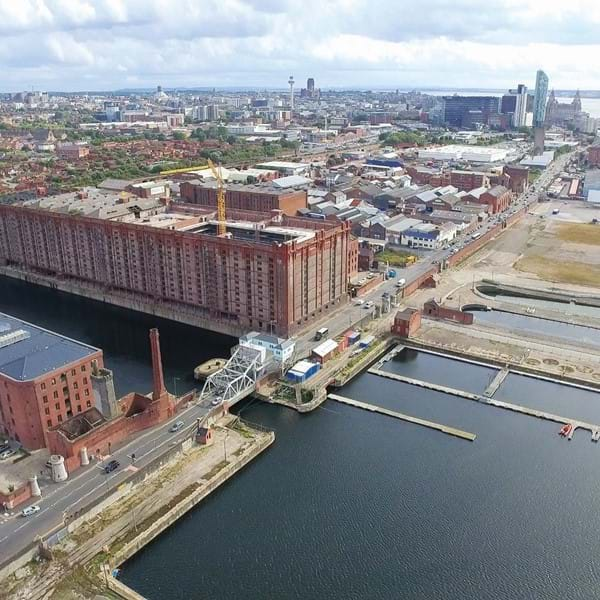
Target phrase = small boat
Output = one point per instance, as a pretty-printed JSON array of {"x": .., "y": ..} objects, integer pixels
[{"x": 565, "y": 430}]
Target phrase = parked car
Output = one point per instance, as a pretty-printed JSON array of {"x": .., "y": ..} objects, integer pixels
[
  {"x": 359, "y": 302},
  {"x": 176, "y": 426},
  {"x": 30, "y": 510},
  {"x": 111, "y": 466},
  {"x": 7, "y": 453}
]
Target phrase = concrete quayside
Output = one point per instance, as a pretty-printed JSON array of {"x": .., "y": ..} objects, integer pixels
[{"x": 90, "y": 549}]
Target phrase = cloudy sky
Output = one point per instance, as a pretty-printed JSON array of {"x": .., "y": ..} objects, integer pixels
[{"x": 110, "y": 44}]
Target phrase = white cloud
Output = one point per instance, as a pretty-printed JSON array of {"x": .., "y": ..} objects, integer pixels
[{"x": 107, "y": 44}]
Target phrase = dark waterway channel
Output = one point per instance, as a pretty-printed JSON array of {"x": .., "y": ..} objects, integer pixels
[
  {"x": 353, "y": 505},
  {"x": 457, "y": 374},
  {"x": 569, "y": 309},
  {"x": 121, "y": 334},
  {"x": 537, "y": 326}
]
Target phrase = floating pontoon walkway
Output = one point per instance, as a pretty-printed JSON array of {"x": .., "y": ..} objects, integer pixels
[{"x": 465, "y": 435}]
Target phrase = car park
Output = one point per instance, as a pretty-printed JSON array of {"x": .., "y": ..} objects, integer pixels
[
  {"x": 111, "y": 466},
  {"x": 30, "y": 510}
]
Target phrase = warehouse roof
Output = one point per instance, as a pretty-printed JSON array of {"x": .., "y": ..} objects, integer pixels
[
  {"x": 281, "y": 164},
  {"x": 291, "y": 181},
  {"x": 302, "y": 367},
  {"x": 325, "y": 348},
  {"x": 28, "y": 351}
]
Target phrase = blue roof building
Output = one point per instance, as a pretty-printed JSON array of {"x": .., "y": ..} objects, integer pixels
[{"x": 28, "y": 351}]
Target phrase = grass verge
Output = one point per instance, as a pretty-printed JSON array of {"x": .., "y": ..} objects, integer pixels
[
  {"x": 580, "y": 233},
  {"x": 562, "y": 272}
]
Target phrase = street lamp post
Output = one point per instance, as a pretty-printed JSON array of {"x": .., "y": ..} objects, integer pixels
[{"x": 225, "y": 444}]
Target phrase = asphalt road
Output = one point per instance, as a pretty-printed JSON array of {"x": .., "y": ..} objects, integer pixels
[
  {"x": 60, "y": 499},
  {"x": 346, "y": 317}
]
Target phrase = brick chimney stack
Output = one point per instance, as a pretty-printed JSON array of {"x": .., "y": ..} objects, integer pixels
[{"x": 157, "y": 371}]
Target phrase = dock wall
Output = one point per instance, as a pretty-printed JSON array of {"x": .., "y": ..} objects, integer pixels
[
  {"x": 477, "y": 244},
  {"x": 96, "y": 505},
  {"x": 166, "y": 310},
  {"x": 515, "y": 367},
  {"x": 122, "y": 590},
  {"x": 363, "y": 362},
  {"x": 165, "y": 521},
  {"x": 486, "y": 286}
]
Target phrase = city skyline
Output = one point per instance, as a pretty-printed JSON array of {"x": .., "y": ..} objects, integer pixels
[{"x": 77, "y": 45}]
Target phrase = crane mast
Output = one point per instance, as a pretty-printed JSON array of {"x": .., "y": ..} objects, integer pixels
[{"x": 221, "y": 217}]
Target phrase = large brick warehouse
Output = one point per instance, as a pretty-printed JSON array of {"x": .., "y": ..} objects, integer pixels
[{"x": 273, "y": 272}]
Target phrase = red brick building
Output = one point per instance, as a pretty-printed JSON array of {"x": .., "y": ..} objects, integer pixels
[
  {"x": 91, "y": 434},
  {"x": 497, "y": 199},
  {"x": 468, "y": 180},
  {"x": 45, "y": 379},
  {"x": 593, "y": 155},
  {"x": 515, "y": 178},
  {"x": 72, "y": 151},
  {"x": 436, "y": 311},
  {"x": 245, "y": 197},
  {"x": 273, "y": 273},
  {"x": 406, "y": 322},
  {"x": 427, "y": 176}
]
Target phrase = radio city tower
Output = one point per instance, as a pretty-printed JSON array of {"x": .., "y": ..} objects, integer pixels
[{"x": 291, "y": 82}]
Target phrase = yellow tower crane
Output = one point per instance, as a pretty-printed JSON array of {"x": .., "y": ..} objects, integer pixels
[{"x": 221, "y": 227}]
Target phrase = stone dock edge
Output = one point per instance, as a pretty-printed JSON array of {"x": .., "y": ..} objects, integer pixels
[{"x": 180, "y": 509}]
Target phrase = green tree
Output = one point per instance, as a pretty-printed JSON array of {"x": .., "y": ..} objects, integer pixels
[{"x": 199, "y": 135}]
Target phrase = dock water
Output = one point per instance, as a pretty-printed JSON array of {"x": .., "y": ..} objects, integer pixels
[{"x": 531, "y": 412}]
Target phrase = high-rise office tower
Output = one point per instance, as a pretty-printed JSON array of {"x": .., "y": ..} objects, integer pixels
[
  {"x": 539, "y": 111},
  {"x": 520, "y": 114},
  {"x": 291, "y": 84},
  {"x": 310, "y": 87},
  {"x": 540, "y": 99},
  {"x": 459, "y": 111}
]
